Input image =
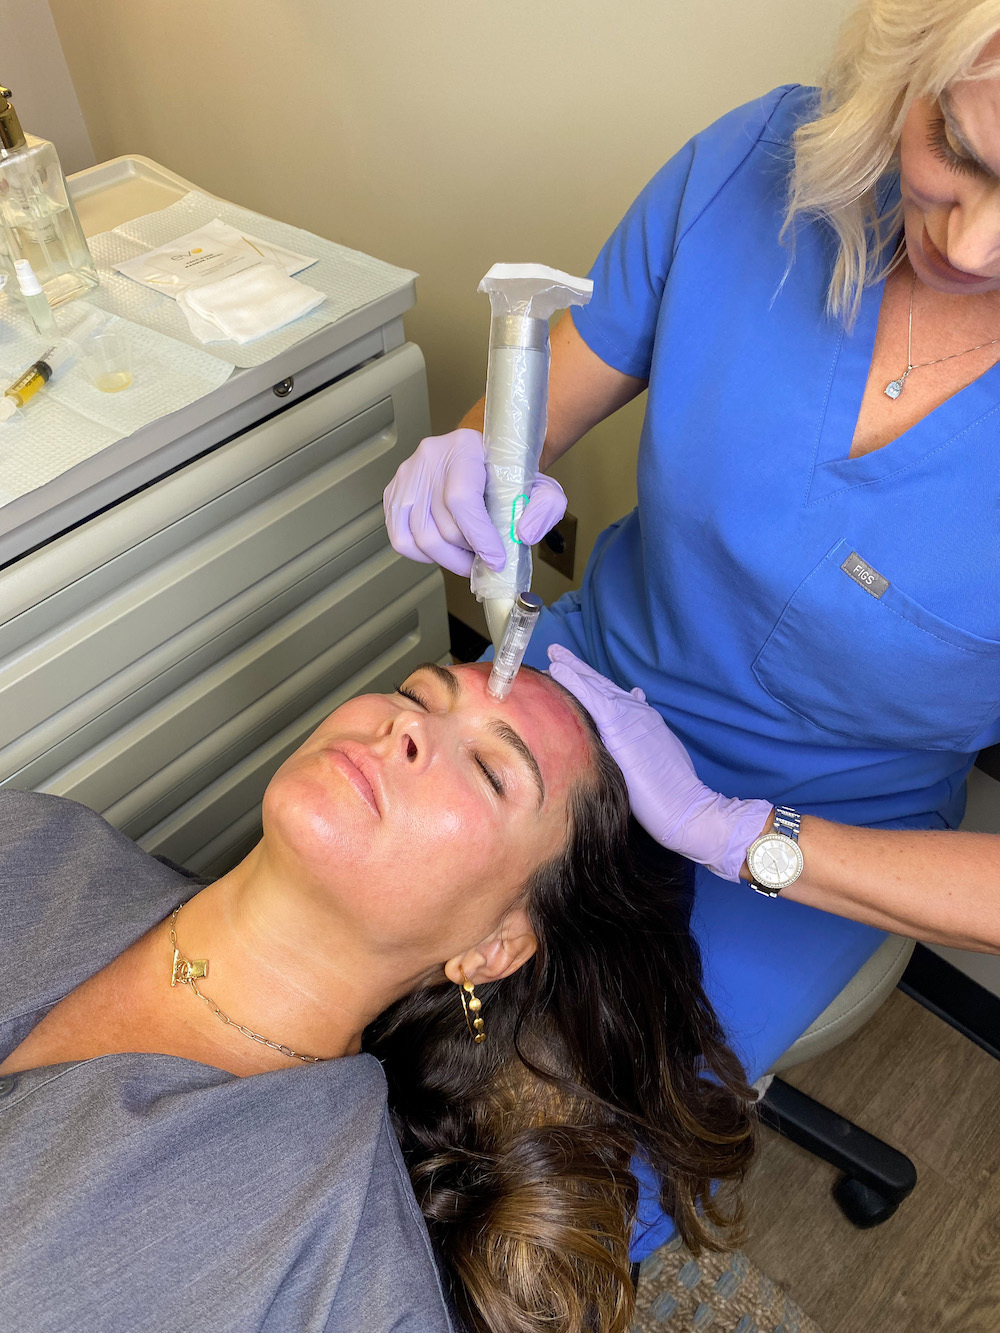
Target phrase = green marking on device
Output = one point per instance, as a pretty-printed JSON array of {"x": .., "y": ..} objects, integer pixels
[{"x": 515, "y": 514}]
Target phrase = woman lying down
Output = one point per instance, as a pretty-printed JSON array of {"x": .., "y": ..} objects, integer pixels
[{"x": 195, "y": 1130}]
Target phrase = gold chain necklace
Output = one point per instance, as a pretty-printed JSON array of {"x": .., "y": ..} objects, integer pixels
[
  {"x": 186, "y": 971},
  {"x": 895, "y": 387}
]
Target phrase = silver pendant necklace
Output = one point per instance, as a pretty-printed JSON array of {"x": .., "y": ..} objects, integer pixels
[{"x": 895, "y": 387}]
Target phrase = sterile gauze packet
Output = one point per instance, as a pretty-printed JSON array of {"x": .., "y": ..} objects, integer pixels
[{"x": 522, "y": 297}]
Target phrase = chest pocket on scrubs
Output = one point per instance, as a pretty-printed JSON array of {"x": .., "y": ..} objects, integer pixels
[{"x": 881, "y": 670}]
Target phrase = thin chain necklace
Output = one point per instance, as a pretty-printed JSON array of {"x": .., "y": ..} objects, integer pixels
[
  {"x": 186, "y": 971},
  {"x": 895, "y": 387}
]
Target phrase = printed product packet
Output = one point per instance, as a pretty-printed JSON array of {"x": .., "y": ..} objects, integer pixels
[{"x": 208, "y": 254}]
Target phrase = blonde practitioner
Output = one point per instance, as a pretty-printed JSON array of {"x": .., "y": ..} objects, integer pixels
[{"x": 808, "y": 593}]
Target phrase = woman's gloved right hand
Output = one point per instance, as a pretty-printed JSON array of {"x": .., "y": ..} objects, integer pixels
[{"x": 435, "y": 511}]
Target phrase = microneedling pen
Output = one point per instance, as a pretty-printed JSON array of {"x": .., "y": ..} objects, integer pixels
[{"x": 514, "y": 644}]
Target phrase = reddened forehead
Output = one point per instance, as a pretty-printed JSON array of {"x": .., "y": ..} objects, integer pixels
[
  {"x": 531, "y": 689},
  {"x": 543, "y": 714}
]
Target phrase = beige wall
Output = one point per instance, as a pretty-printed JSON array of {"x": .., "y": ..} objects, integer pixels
[
  {"x": 32, "y": 65},
  {"x": 439, "y": 135}
]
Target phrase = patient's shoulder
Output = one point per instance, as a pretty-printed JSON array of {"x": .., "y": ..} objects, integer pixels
[
  {"x": 52, "y": 836},
  {"x": 48, "y": 843},
  {"x": 24, "y": 815},
  {"x": 74, "y": 893}
]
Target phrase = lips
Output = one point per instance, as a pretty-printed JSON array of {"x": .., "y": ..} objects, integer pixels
[
  {"x": 356, "y": 765},
  {"x": 936, "y": 261}
]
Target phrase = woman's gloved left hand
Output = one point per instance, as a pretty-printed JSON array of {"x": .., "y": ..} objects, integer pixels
[{"x": 668, "y": 799}]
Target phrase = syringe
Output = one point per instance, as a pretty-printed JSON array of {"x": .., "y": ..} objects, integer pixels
[
  {"x": 39, "y": 373},
  {"x": 514, "y": 644}
]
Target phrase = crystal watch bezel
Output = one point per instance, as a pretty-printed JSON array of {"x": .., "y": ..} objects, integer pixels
[{"x": 769, "y": 882}]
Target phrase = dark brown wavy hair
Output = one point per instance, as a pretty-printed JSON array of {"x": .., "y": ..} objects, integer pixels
[{"x": 602, "y": 1046}]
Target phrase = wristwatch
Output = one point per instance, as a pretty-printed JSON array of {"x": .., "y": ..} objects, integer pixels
[{"x": 775, "y": 858}]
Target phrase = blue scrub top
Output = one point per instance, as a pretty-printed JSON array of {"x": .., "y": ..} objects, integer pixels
[
  {"x": 820, "y": 631},
  {"x": 726, "y": 594}
]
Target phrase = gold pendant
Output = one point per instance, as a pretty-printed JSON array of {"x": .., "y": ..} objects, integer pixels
[{"x": 187, "y": 969}]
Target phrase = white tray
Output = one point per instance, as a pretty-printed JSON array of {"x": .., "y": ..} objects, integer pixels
[
  {"x": 132, "y": 204},
  {"x": 124, "y": 188}
]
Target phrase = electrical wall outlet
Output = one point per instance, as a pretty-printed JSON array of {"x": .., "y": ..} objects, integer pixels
[{"x": 558, "y": 547}]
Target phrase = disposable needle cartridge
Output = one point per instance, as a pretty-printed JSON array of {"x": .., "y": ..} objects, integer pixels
[{"x": 514, "y": 644}]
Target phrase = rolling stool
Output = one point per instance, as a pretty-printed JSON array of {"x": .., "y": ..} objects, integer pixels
[{"x": 877, "y": 1178}]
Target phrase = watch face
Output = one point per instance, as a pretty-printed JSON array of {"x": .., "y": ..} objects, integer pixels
[{"x": 776, "y": 860}]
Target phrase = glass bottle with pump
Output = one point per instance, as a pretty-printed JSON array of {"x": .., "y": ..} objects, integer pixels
[{"x": 37, "y": 219}]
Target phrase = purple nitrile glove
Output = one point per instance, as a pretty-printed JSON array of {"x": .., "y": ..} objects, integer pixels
[
  {"x": 435, "y": 512},
  {"x": 668, "y": 799},
  {"x": 546, "y": 506}
]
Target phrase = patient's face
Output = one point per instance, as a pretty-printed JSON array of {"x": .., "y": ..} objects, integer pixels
[{"x": 420, "y": 815}]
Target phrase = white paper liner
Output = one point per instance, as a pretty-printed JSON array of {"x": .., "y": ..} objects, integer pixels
[{"x": 69, "y": 420}]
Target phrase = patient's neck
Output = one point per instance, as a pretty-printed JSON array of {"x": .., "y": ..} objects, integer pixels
[{"x": 281, "y": 968}]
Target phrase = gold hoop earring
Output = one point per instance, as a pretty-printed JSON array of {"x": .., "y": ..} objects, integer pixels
[{"x": 475, "y": 1024}]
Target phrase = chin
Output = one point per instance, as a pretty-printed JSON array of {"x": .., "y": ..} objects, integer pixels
[
  {"x": 928, "y": 272},
  {"x": 937, "y": 282},
  {"x": 299, "y": 815}
]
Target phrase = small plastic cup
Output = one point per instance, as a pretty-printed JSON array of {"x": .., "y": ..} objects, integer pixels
[{"x": 107, "y": 359}]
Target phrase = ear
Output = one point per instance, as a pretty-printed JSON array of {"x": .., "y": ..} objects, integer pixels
[{"x": 499, "y": 955}]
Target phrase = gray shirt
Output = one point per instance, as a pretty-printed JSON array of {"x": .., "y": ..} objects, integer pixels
[{"x": 147, "y": 1193}]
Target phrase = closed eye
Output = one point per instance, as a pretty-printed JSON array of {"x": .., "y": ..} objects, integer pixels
[
  {"x": 940, "y": 145},
  {"x": 407, "y": 693},
  {"x": 490, "y": 774},
  {"x": 492, "y": 777}
]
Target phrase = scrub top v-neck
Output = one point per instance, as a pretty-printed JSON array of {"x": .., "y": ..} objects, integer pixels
[
  {"x": 820, "y": 631},
  {"x": 833, "y": 470}
]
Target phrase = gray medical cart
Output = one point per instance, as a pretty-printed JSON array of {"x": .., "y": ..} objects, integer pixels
[{"x": 180, "y": 611}]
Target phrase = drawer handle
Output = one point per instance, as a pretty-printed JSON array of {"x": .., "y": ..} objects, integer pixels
[{"x": 284, "y": 387}]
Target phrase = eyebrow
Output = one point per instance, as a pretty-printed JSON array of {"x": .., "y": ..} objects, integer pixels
[
  {"x": 958, "y": 134},
  {"x": 444, "y": 677},
  {"x": 503, "y": 731}
]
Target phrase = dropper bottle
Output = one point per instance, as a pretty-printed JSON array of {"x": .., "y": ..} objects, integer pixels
[{"x": 34, "y": 298}]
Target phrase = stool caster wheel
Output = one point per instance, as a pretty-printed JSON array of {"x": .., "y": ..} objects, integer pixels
[{"x": 862, "y": 1205}]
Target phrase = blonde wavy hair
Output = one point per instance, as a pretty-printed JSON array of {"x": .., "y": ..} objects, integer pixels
[{"x": 890, "y": 53}]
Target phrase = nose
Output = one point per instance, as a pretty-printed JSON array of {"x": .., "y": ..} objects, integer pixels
[
  {"x": 973, "y": 236},
  {"x": 408, "y": 739}
]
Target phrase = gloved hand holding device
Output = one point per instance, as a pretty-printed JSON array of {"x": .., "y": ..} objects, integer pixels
[
  {"x": 435, "y": 511},
  {"x": 668, "y": 799}
]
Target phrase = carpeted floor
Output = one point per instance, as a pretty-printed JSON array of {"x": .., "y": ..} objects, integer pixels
[{"x": 715, "y": 1293}]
